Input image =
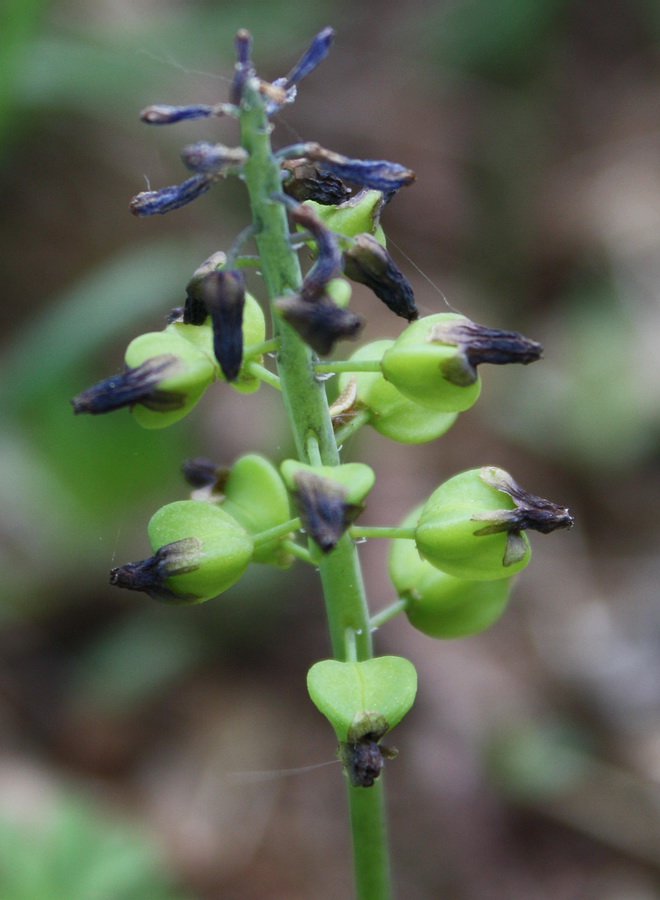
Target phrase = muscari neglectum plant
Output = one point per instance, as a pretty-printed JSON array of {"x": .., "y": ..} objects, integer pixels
[{"x": 452, "y": 559}]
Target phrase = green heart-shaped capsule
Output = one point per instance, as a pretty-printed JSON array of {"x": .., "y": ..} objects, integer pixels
[
  {"x": 381, "y": 689},
  {"x": 256, "y": 497}
]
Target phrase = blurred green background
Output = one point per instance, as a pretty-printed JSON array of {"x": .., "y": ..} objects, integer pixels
[{"x": 131, "y": 732}]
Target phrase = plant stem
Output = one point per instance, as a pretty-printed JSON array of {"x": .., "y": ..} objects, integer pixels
[
  {"x": 348, "y": 365},
  {"x": 307, "y": 409},
  {"x": 382, "y": 531}
]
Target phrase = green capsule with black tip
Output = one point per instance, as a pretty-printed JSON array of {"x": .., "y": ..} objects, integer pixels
[
  {"x": 454, "y": 529},
  {"x": 224, "y": 547},
  {"x": 180, "y": 384},
  {"x": 393, "y": 414},
  {"x": 360, "y": 213},
  {"x": 438, "y": 604}
]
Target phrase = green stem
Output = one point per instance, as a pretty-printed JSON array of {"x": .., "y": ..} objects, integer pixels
[
  {"x": 382, "y": 531},
  {"x": 256, "y": 369},
  {"x": 361, "y": 418},
  {"x": 276, "y": 532},
  {"x": 389, "y": 612},
  {"x": 348, "y": 365},
  {"x": 307, "y": 409}
]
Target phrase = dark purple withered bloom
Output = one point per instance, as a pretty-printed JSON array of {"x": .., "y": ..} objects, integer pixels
[
  {"x": 220, "y": 293},
  {"x": 162, "y": 114},
  {"x": 324, "y": 511},
  {"x": 204, "y": 473},
  {"x": 319, "y": 322},
  {"x": 305, "y": 181},
  {"x": 368, "y": 262},
  {"x": 134, "y": 385},
  {"x": 377, "y": 174},
  {"x": 362, "y": 755},
  {"x": 149, "y": 575},
  {"x": 149, "y": 203}
]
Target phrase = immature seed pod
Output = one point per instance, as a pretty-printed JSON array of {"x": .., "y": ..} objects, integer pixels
[
  {"x": 393, "y": 415},
  {"x": 434, "y": 360},
  {"x": 472, "y": 526},
  {"x": 255, "y": 495},
  {"x": 441, "y": 605},
  {"x": 196, "y": 370},
  {"x": 356, "y": 215},
  {"x": 199, "y": 552}
]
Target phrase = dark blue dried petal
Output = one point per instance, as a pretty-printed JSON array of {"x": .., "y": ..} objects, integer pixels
[
  {"x": 324, "y": 511},
  {"x": 223, "y": 294},
  {"x": 161, "y": 114},
  {"x": 320, "y": 322},
  {"x": 315, "y": 54},
  {"x": 135, "y": 385},
  {"x": 207, "y": 158},
  {"x": 377, "y": 174},
  {"x": 368, "y": 262},
  {"x": 149, "y": 203}
]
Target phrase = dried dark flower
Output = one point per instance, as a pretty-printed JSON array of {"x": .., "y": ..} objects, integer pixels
[
  {"x": 222, "y": 294},
  {"x": 206, "y": 158},
  {"x": 149, "y": 203},
  {"x": 368, "y": 262},
  {"x": 149, "y": 575},
  {"x": 324, "y": 511},
  {"x": 134, "y": 385},
  {"x": 320, "y": 323},
  {"x": 305, "y": 181}
]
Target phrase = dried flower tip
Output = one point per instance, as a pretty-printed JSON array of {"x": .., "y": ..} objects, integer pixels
[
  {"x": 200, "y": 473},
  {"x": 320, "y": 323},
  {"x": 368, "y": 262},
  {"x": 378, "y": 174},
  {"x": 149, "y": 203},
  {"x": 195, "y": 311},
  {"x": 160, "y": 114},
  {"x": 362, "y": 761},
  {"x": 222, "y": 293},
  {"x": 324, "y": 511},
  {"x": 148, "y": 575},
  {"x": 478, "y": 344},
  {"x": 135, "y": 385},
  {"x": 243, "y": 67},
  {"x": 305, "y": 181},
  {"x": 315, "y": 54},
  {"x": 205, "y": 158},
  {"x": 531, "y": 512}
]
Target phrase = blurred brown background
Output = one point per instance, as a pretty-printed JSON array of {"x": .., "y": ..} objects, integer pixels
[{"x": 130, "y": 733}]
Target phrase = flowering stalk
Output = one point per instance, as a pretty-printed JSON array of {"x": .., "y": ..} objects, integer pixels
[
  {"x": 453, "y": 558},
  {"x": 307, "y": 409}
]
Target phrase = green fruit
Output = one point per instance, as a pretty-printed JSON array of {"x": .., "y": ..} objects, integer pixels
[
  {"x": 361, "y": 213},
  {"x": 441, "y": 605},
  {"x": 448, "y": 532},
  {"x": 256, "y": 497},
  {"x": 193, "y": 370},
  {"x": 394, "y": 415},
  {"x": 376, "y": 692},
  {"x": 430, "y": 372},
  {"x": 220, "y": 548}
]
